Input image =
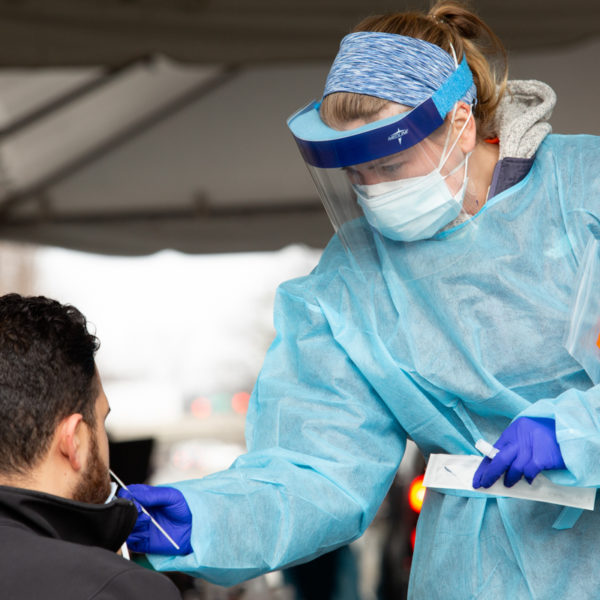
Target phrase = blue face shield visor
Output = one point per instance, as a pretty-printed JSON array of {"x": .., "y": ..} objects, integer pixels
[{"x": 327, "y": 148}]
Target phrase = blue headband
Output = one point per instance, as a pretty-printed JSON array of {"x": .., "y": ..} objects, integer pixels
[
  {"x": 393, "y": 67},
  {"x": 405, "y": 70}
]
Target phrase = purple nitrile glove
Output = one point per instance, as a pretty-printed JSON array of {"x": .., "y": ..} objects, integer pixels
[
  {"x": 526, "y": 447},
  {"x": 168, "y": 506}
]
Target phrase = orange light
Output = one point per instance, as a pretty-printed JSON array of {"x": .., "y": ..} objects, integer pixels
[
  {"x": 416, "y": 493},
  {"x": 239, "y": 402}
]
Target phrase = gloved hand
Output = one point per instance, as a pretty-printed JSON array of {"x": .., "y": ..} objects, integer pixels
[
  {"x": 168, "y": 506},
  {"x": 526, "y": 447}
]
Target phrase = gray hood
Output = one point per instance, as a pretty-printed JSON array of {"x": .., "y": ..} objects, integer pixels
[{"x": 522, "y": 117}]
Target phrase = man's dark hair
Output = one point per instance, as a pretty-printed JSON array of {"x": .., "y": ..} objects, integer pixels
[{"x": 47, "y": 372}]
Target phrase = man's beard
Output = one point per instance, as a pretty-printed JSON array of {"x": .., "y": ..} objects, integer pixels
[{"x": 94, "y": 484}]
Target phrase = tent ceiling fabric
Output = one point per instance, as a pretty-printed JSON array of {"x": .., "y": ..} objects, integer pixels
[
  {"x": 160, "y": 156},
  {"x": 108, "y": 32},
  {"x": 181, "y": 142}
]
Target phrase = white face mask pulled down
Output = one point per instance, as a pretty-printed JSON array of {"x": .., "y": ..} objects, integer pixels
[{"x": 415, "y": 208}]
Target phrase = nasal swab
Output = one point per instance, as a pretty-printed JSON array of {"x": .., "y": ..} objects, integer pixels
[{"x": 145, "y": 511}]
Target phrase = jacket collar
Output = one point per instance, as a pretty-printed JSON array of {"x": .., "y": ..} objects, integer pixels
[{"x": 103, "y": 525}]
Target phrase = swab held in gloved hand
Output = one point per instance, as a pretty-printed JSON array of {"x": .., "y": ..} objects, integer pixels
[{"x": 145, "y": 511}]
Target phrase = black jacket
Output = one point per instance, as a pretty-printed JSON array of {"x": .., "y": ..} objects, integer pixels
[{"x": 53, "y": 548}]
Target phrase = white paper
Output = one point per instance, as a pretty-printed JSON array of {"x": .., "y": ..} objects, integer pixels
[{"x": 455, "y": 471}]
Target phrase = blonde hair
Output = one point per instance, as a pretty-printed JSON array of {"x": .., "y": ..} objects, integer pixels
[{"x": 448, "y": 24}]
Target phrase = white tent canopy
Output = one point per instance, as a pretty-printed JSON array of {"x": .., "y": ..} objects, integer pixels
[{"x": 195, "y": 156}]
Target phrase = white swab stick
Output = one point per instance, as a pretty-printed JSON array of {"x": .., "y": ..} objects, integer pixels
[{"x": 145, "y": 511}]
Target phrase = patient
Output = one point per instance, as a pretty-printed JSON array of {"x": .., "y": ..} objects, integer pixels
[{"x": 57, "y": 536}]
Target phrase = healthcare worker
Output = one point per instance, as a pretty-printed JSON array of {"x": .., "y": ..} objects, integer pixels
[{"x": 437, "y": 313}]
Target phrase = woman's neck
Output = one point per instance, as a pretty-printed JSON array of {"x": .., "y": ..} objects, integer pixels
[{"x": 482, "y": 163}]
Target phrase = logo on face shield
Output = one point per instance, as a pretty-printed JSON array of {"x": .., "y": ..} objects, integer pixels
[{"x": 398, "y": 135}]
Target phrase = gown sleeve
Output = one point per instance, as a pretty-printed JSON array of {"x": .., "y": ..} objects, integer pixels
[
  {"x": 322, "y": 452},
  {"x": 576, "y": 412}
]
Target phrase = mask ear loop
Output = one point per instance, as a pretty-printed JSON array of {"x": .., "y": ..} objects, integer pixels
[{"x": 444, "y": 155}]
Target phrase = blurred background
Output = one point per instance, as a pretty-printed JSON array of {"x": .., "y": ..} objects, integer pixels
[{"x": 147, "y": 176}]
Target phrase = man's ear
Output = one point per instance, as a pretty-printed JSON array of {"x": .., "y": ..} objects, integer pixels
[
  {"x": 70, "y": 434},
  {"x": 464, "y": 118}
]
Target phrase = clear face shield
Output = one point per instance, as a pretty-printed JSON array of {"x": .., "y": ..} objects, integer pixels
[
  {"x": 400, "y": 180},
  {"x": 407, "y": 196}
]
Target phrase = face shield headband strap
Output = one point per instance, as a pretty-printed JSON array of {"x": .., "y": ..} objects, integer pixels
[{"x": 324, "y": 147}]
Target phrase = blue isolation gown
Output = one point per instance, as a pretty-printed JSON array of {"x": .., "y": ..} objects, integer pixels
[{"x": 444, "y": 341}]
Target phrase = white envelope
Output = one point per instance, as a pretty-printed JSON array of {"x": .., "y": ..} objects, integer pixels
[{"x": 455, "y": 471}]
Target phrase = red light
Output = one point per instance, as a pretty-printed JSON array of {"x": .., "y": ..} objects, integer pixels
[
  {"x": 239, "y": 402},
  {"x": 413, "y": 537},
  {"x": 416, "y": 493},
  {"x": 201, "y": 408}
]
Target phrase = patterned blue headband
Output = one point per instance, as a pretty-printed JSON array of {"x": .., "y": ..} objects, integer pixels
[{"x": 393, "y": 67}]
